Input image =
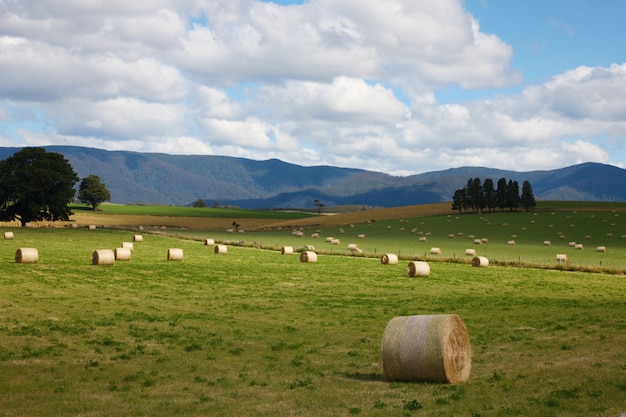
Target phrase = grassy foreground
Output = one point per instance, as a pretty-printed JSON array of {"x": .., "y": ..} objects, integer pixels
[{"x": 258, "y": 333}]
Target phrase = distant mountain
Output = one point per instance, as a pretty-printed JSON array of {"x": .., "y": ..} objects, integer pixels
[{"x": 153, "y": 178}]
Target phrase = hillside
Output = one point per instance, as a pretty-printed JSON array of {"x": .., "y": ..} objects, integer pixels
[{"x": 153, "y": 178}]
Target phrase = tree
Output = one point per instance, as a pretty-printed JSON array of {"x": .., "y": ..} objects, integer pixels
[
  {"x": 528, "y": 198},
  {"x": 93, "y": 192},
  {"x": 512, "y": 195},
  {"x": 199, "y": 203},
  {"x": 501, "y": 194},
  {"x": 490, "y": 194},
  {"x": 36, "y": 185},
  {"x": 319, "y": 205}
]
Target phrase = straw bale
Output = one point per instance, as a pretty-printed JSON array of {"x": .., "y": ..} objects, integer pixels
[
  {"x": 174, "y": 254},
  {"x": 572, "y": 244},
  {"x": 429, "y": 348},
  {"x": 329, "y": 239},
  {"x": 92, "y": 227},
  {"x": 287, "y": 250},
  {"x": 470, "y": 252},
  {"x": 8, "y": 235},
  {"x": 335, "y": 242},
  {"x": 601, "y": 249},
  {"x": 308, "y": 256},
  {"x": 578, "y": 246},
  {"x": 128, "y": 245},
  {"x": 451, "y": 236},
  {"x": 103, "y": 257},
  {"x": 137, "y": 238},
  {"x": 389, "y": 259},
  {"x": 484, "y": 240},
  {"x": 478, "y": 242},
  {"x": 422, "y": 239},
  {"x": 547, "y": 243},
  {"x": 353, "y": 247},
  {"x": 561, "y": 257},
  {"x": 511, "y": 243},
  {"x": 122, "y": 254},
  {"x": 418, "y": 269},
  {"x": 26, "y": 256},
  {"x": 220, "y": 249},
  {"x": 361, "y": 236},
  {"x": 209, "y": 242},
  {"x": 435, "y": 251},
  {"x": 480, "y": 261},
  {"x": 315, "y": 235}
]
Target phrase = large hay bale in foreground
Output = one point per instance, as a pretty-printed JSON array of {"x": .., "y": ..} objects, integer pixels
[
  {"x": 103, "y": 257},
  {"x": 479, "y": 261},
  {"x": 220, "y": 249},
  {"x": 308, "y": 256},
  {"x": 432, "y": 348},
  {"x": 174, "y": 254},
  {"x": 122, "y": 254},
  {"x": 418, "y": 269},
  {"x": 26, "y": 256},
  {"x": 8, "y": 235},
  {"x": 287, "y": 250},
  {"x": 389, "y": 259}
]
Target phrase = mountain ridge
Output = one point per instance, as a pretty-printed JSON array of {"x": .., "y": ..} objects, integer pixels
[{"x": 157, "y": 178}]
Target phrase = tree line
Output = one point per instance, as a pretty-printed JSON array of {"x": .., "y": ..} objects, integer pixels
[{"x": 477, "y": 196}]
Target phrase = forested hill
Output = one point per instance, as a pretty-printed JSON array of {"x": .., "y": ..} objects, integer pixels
[{"x": 154, "y": 178}]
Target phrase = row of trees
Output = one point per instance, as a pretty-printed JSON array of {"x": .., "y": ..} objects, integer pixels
[
  {"x": 36, "y": 185},
  {"x": 477, "y": 196}
]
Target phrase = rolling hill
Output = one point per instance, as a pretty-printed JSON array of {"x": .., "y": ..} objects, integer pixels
[{"x": 152, "y": 178}]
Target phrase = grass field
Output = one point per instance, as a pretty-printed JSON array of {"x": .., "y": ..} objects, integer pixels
[{"x": 253, "y": 332}]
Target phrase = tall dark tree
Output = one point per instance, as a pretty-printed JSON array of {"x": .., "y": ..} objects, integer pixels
[
  {"x": 490, "y": 194},
  {"x": 36, "y": 185},
  {"x": 459, "y": 200},
  {"x": 475, "y": 198},
  {"x": 528, "y": 198},
  {"x": 501, "y": 194},
  {"x": 512, "y": 195},
  {"x": 93, "y": 192}
]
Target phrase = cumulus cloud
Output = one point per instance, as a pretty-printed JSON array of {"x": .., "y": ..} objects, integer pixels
[{"x": 333, "y": 82}]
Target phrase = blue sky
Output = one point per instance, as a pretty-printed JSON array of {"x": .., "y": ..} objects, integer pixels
[{"x": 396, "y": 86}]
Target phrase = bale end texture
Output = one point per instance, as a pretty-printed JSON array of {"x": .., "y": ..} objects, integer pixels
[
  {"x": 389, "y": 259},
  {"x": 220, "y": 249},
  {"x": 208, "y": 242},
  {"x": 103, "y": 257},
  {"x": 479, "y": 261},
  {"x": 418, "y": 269},
  {"x": 429, "y": 348},
  {"x": 138, "y": 238},
  {"x": 308, "y": 256},
  {"x": 287, "y": 250},
  {"x": 26, "y": 256}
]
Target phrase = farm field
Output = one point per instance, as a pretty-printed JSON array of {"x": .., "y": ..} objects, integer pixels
[{"x": 253, "y": 332}]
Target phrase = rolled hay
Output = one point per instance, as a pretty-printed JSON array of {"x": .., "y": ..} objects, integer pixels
[
  {"x": 601, "y": 249},
  {"x": 429, "y": 348},
  {"x": 8, "y": 235},
  {"x": 353, "y": 247},
  {"x": 480, "y": 261},
  {"x": 547, "y": 243},
  {"x": 138, "y": 238},
  {"x": 578, "y": 246},
  {"x": 561, "y": 257},
  {"x": 511, "y": 243},
  {"x": 103, "y": 257},
  {"x": 308, "y": 256},
  {"x": 478, "y": 242},
  {"x": 335, "y": 242},
  {"x": 92, "y": 227},
  {"x": 174, "y": 254},
  {"x": 470, "y": 252},
  {"x": 26, "y": 256},
  {"x": 422, "y": 239},
  {"x": 220, "y": 249},
  {"x": 418, "y": 269},
  {"x": 361, "y": 236},
  {"x": 287, "y": 250},
  {"x": 208, "y": 242},
  {"x": 435, "y": 251},
  {"x": 122, "y": 254},
  {"x": 128, "y": 245},
  {"x": 389, "y": 259}
]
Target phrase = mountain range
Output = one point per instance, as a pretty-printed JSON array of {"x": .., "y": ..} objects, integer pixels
[{"x": 154, "y": 178}]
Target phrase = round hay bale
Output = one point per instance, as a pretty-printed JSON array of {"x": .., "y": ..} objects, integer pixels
[
  {"x": 430, "y": 348},
  {"x": 361, "y": 236},
  {"x": 220, "y": 249},
  {"x": 336, "y": 242},
  {"x": 561, "y": 257},
  {"x": 92, "y": 227},
  {"x": 174, "y": 254},
  {"x": 578, "y": 246},
  {"x": 547, "y": 243},
  {"x": 208, "y": 242},
  {"x": 103, "y": 257},
  {"x": 287, "y": 250},
  {"x": 128, "y": 245},
  {"x": 435, "y": 251},
  {"x": 138, "y": 238},
  {"x": 122, "y": 254},
  {"x": 308, "y": 256},
  {"x": 26, "y": 256},
  {"x": 418, "y": 269},
  {"x": 601, "y": 249},
  {"x": 329, "y": 239},
  {"x": 572, "y": 244},
  {"x": 353, "y": 247},
  {"x": 470, "y": 252},
  {"x": 8, "y": 235},
  {"x": 389, "y": 259},
  {"x": 511, "y": 243},
  {"x": 479, "y": 261},
  {"x": 478, "y": 242}
]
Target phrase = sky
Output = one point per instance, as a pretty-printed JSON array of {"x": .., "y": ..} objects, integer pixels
[{"x": 395, "y": 86}]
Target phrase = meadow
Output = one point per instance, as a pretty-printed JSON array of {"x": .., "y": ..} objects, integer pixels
[{"x": 253, "y": 332}]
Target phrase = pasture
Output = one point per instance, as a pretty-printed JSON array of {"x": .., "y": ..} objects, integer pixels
[{"x": 253, "y": 332}]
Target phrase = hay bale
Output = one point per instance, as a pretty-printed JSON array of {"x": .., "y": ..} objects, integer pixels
[
  {"x": 287, "y": 250},
  {"x": 220, "y": 249},
  {"x": 361, "y": 236},
  {"x": 435, "y": 251},
  {"x": 572, "y": 244},
  {"x": 547, "y": 243},
  {"x": 174, "y": 254},
  {"x": 353, "y": 247},
  {"x": 601, "y": 249},
  {"x": 480, "y": 261},
  {"x": 209, "y": 242},
  {"x": 418, "y": 269},
  {"x": 8, "y": 235},
  {"x": 92, "y": 227},
  {"x": 26, "y": 256},
  {"x": 422, "y": 239},
  {"x": 478, "y": 242},
  {"x": 335, "y": 242},
  {"x": 470, "y": 252},
  {"x": 308, "y": 256},
  {"x": 389, "y": 259},
  {"x": 329, "y": 239},
  {"x": 103, "y": 257},
  {"x": 430, "y": 348},
  {"x": 578, "y": 246},
  {"x": 128, "y": 245},
  {"x": 138, "y": 238},
  {"x": 122, "y": 254},
  {"x": 561, "y": 257},
  {"x": 511, "y": 243}
]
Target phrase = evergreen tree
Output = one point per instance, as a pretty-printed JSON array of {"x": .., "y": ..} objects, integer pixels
[
  {"x": 528, "y": 198},
  {"x": 501, "y": 194},
  {"x": 512, "y": 195},
  {"x": 489, "y": 193},
  {"x": 93, "y": 192}
]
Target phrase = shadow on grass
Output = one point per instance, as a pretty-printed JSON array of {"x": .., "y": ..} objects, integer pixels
[{"x": 369, "y": 377}]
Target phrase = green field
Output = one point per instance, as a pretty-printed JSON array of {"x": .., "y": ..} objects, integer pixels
[{"x": 256, "y": 333}]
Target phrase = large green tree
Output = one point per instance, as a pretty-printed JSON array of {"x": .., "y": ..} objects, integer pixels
[
  {"x": 93, "y": 192},
  {"x": 36, "y": 185}
]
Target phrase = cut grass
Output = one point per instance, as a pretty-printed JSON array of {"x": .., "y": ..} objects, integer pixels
[{"x": 258, "y": 333}]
